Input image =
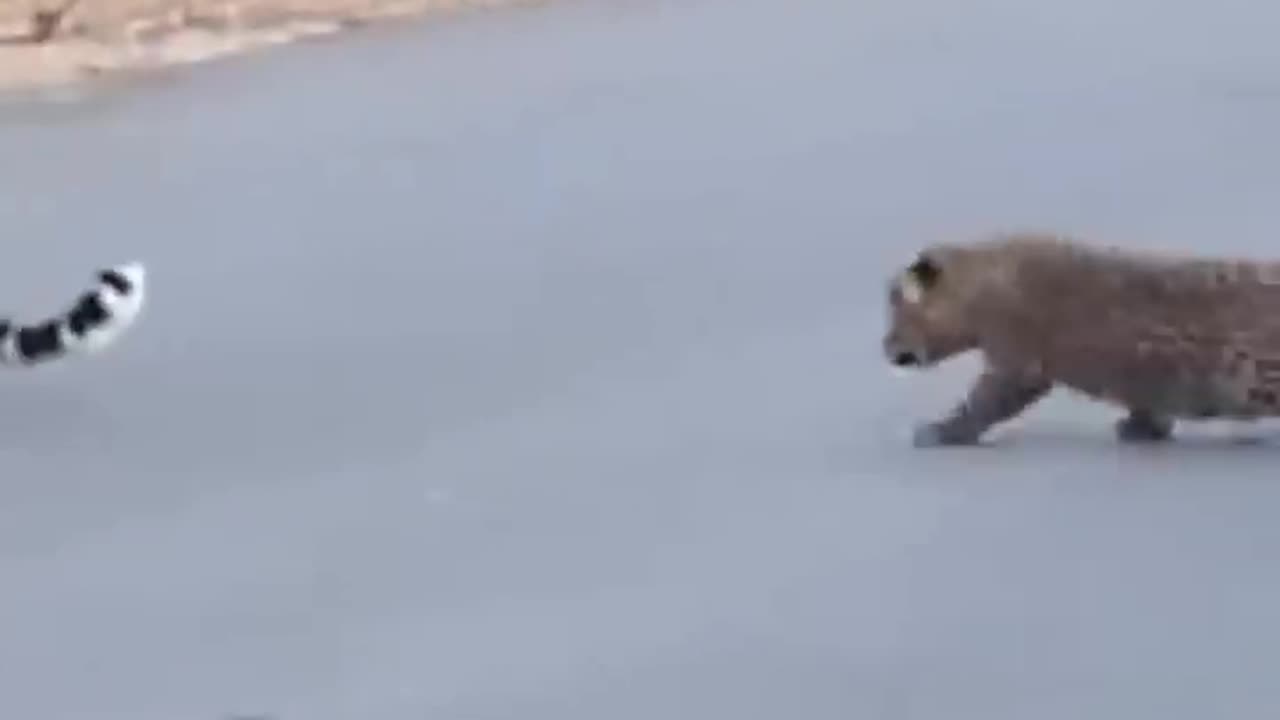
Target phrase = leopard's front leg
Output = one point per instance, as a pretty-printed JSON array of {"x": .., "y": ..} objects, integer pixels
[{"x": 996, "y": 396}]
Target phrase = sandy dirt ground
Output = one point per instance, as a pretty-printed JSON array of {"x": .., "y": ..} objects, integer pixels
[{"x": 92, "y": 38}]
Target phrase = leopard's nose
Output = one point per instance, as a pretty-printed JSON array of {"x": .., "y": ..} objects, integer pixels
[{"x": 905, "y": 358}]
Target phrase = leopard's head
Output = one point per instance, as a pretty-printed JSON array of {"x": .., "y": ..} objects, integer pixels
[{"x": 929, "y": 311}]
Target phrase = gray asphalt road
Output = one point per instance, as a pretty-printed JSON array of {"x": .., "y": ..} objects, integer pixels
[{"x": 526, "y": 367}]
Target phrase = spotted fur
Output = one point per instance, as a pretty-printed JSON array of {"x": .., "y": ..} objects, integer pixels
[{"x": 1167, "y": 338}]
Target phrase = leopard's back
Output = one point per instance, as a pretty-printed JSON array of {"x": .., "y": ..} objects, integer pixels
[{"x": 1186, "y": 337}]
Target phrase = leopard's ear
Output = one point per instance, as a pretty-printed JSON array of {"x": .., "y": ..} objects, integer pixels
[
  {"x": 925, "y": 271},
  {"x": 919, "y": 277}
]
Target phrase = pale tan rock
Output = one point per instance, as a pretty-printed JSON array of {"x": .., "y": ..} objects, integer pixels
[{"x": 97, "y": 37}]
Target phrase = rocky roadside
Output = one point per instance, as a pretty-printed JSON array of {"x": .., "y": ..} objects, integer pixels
[{"x": 49, "y": 43}]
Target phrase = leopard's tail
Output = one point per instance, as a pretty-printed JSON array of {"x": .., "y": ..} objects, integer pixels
[{"x": 97, "y": 319}]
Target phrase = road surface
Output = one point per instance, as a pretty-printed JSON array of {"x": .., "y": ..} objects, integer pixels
[{"x": 526, "y": 366}]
